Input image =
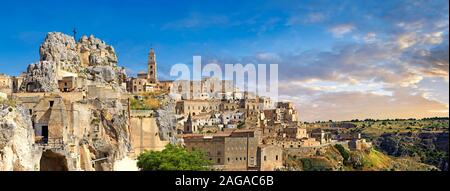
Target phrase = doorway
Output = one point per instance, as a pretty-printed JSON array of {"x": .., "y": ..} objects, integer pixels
[{"x": 44, "y": 133}]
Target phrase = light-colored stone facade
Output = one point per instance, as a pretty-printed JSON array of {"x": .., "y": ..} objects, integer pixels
[
  {"x": 195, "y": 107},
  {"x": 144, "y": 132},
  {"x": 270, "y": 157},
  {"x": 233, "y": 150},
  {"x": 6, "y": 85}
]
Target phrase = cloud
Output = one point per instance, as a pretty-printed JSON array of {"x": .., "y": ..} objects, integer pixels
[
  {"x": 311, "y": 18},
  {"x": 432, "y": 62},
  {"x": 362, "y": 105},
  {"x": 196, "y": 20},
  {"x": 339, "y": 31}
]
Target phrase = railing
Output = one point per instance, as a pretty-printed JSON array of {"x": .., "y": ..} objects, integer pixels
[{"x": 51, "y": 143}]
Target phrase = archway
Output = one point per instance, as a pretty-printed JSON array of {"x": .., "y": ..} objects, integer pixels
[{"x": 51, "y": 161}]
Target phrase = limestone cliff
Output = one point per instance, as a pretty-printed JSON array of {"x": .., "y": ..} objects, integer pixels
[
  {"x": 166, "y": 120},
  {"x": 90, "y": 59},
  {"x": 17, "y": 151},
  {"x": 41, "y": 77},
  {"x": 113, "y": 144}
]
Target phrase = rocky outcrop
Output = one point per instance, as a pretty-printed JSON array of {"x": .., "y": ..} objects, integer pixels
[
  {"x": 97, "y": 52},
  {"x": 166, "y": 120},
  {"x": 114, "y": 143},
  {"x": 17, "y": 151},
  {"x": 61, "y": 50},
  {"x": 90, "y": 59},
  {"x": 41, "y": 77}
]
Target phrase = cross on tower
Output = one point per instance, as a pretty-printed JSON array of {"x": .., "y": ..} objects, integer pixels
[{"x": 75, "y": 33}]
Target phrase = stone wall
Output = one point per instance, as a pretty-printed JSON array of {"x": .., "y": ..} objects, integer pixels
[
  {"x": 144, "y": 133},
  {"x": 270, "y": 158}
]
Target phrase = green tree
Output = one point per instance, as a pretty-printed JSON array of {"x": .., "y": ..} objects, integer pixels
[
  {"x": 343, "y": 151},
  {"x": 173, "y": 158}
]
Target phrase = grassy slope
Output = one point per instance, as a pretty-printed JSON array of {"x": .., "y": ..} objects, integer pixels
[{"x": 370, "y": 160}]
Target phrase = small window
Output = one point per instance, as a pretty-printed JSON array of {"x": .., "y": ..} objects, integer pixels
[
  {"x": 265, "y": 158},
  {"x": 51, "y": 103},
  {"x": 276, "y": 157}
]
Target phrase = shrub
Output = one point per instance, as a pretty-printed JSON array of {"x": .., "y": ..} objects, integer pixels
[
  {"x": 172, "y": 158},
  {"x": 344, "y": 153}
]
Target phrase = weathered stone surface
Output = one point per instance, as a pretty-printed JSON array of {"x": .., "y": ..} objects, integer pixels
[
  {"x": 166, "y": 120},
  {"x": 105, "y": 74},
  {"x": 90, "y": 58},
  {"x": 114, "y": 144},
  {"x": 41, "y": 77},
  {"x": 17, "y": 151},
  {"x": 61, "y": 50}
]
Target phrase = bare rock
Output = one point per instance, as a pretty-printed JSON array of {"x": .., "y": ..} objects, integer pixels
[
  {"x": 62, "y": 50},
  {"x": 41, "y": 77},
  {"x": 17, "y": 151}
]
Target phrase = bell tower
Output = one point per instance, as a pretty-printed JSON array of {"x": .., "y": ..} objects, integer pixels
[{"x": 151, "y": 75}]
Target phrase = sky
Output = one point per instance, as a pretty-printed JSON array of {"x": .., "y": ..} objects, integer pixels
[{"x": 337, "y": 59}]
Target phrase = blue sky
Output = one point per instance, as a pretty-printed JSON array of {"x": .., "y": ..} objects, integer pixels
[{"x": 327, "y": 51}]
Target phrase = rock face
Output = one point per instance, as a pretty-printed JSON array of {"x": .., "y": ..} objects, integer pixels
[
  {"x": 430, "y": 147},
  {"x": 73, "y": 131},
  {"x": 17, "y": 151},
  {"x": 41, "y": 77},
  {"x": 90, "y": 59},
  {"x": 61, "y": 50},
  {"x": 166, "y": 120},
  {"x": 97, "y": 52},
  {"x": 114, "y": 143}
]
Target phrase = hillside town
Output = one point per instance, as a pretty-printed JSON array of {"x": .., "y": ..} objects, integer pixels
[{"x": 76, "y": 109}]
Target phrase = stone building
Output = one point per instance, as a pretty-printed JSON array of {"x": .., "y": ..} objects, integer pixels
[
  {"x": 6, "y": 85},
  {"x": 67, "y": 84},
  {"x": 322, "y": 136},
  {"x": 74, "y": 132},
  {"x": 136, "y": 85},
  {"x": 202, "y": 123},
  {"x": 229, "y": 105},
  {"x": 165, "y": 85},
  {"x": 232, "y": 117},
  {"x": 269, "y": 157},
  {"x": 50, "y": 120},
  {"x": 283, "y": 113},
  {"x": 273, "y": 116},
  {"x": 291, "y": 143},
  {"x": 146, "y": 82},
  {"x": 152, "y": 76},
  {"x": 17, "y": 82},
  {"x": 5, "y": 81},
  {"x": 195, "y": 107},
  {"x": 295, "y": 132},
  {"x": 206, "y": 88},
  {"x": 359, "y": 143},
  {"x": 232, "y": 150}
]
